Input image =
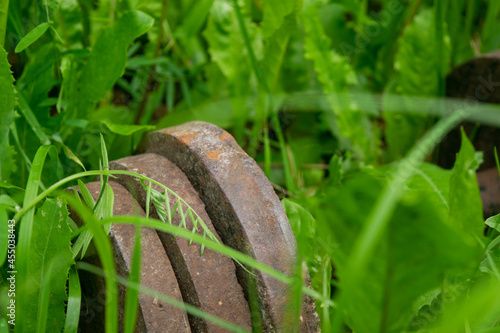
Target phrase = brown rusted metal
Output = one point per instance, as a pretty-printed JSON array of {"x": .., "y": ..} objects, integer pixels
[
  {"x": 209, "y": 281},
  {"x": 243, "y": 207},
  {"x": 489, "y": 184},
  {"x": 156, "y": 273},
  {"x": 477, "y": 80}
]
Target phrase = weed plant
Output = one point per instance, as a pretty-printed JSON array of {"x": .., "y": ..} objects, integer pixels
[{"x": 341, "y": 102}]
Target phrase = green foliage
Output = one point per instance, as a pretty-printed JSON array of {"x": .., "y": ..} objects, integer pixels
[
  {"x": 418, "y": 230},
  {"x": 106, "y": 63},
  {"x": 419, "y": 71},
  {"x": 466, "y": 211},
  {"x": 339, "y": 101},
  {"x": 32, "y": 36},
  {"x": 51, "y": 252},
  {"x": 7, "y": 114},
  {"x": 335, "y": 74}
]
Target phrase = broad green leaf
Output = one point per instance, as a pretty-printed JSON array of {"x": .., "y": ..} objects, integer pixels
[
  {"x": 126, "y": 129},
  {"x": 32, "y": 36},
  {"x": 415, "y": 66},
  {"x": 7, "y": 104},
  {"x": 51, "y": 247},
  {"x": 7, "y": 201},
  {"x": 274, "y": 13},
  {"x": 106, "y": 62},
  {"x": 303, "y": 225},
  {"x": 335, "y": 74},
  {"x": 477, "y": 312},
  {"x": 433, "y": 182},
  {"x": 274, "y": 49},
  {"x": 418, "y": 239},
  {"x": 494, "y": 222},
  {"x": 67, "y": 152},
  {"x": 465, "y": 206}
]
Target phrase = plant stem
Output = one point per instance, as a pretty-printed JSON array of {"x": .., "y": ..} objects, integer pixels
[
  {"x": 274, "y": 116},
  {"x": 152, "y": 72}
]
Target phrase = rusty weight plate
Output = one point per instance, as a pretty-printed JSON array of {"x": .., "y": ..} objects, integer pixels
[
  {"x": 156, "y": 273},
  {"x": 473, "y": 81},
  {"x": 209, "y": 281},
  {"x": 243, "y": 207},
  {"x": 489, "y": 184}
]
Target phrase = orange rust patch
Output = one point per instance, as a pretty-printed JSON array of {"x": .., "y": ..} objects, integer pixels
[
  {"x": 187, "y": 137},
  {"x": 225, "y": 135},
  {"x": 212, "y": 155}
]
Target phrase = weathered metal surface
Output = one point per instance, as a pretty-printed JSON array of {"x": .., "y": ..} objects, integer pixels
[
  {"x": 209, "y": 281},
  {"x": 476, "y": 80},
  {"x": 243, "y": 207},
  {"x": 156, "y": 273},
  {"x": 489, "y": 184}
]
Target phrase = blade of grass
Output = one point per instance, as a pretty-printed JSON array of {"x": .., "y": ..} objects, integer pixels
[
  {"x": 83, "y": 241},
  {"x": 386, "y": 204},
  {"x": 105, "y": 252},
  {"x": 25, "y": 232},
  {"x": 189, "y": 308},
  {"x": 132, "y": 298},
  {"x": 217, "y": 247},
  {"x": 31, "y": 119},
  {"x": 74, "y": 302},
  {"x": 496, "y": 160},
  {"x": 148, "y": 198},
  {"x": 105, "y": 167}
]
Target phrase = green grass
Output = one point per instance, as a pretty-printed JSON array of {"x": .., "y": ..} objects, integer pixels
[{"x": 342, "y": 103}]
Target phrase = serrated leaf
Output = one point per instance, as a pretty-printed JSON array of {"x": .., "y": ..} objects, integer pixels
[
  {"x": 50, "y": 246},
  {"x": 274, "y": 13},
  {"x": 228, "y": 50},
  {"x": 335, "y": 74},
  {"x": 493, "y": 222},
  {"x": 274, "y": 50},
  {"x": 416, "y": 74},
  {"x": 465, "y": 205},
  {"x": 303, "y": 226},
  {"x": 7, "y": 104},
  {"x": 126, "y": 129},
  {"x": 434, "y": 182},
  {"x": 32, "y": 36},
  {"x": 107, "y": 61},
  {"x": 418, "y": 239},
  {"x": 69, "y": 154}
]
